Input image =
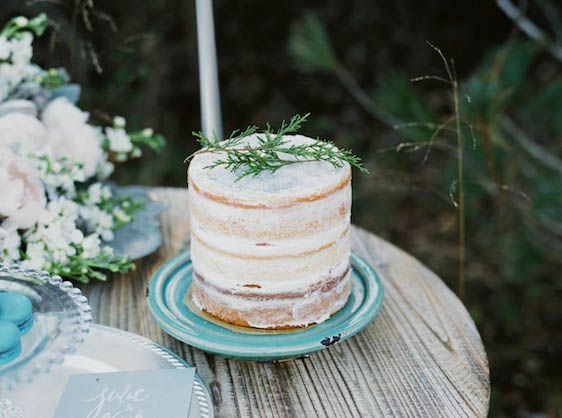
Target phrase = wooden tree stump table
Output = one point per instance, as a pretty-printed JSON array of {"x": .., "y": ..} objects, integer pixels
[{"x": 421, "y": 356}]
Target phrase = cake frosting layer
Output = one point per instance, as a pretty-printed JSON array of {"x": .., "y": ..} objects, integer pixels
[
  {"x": 258, "y": 239},
  {"x": 269, "y": 275},
  {"x": 295, "y": 183},
  {"x": 296, "y": 220},
  {"x": 265, "y": 246}
]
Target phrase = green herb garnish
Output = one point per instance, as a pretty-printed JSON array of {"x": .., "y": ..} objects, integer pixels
[{"x": 271, "y": 150}]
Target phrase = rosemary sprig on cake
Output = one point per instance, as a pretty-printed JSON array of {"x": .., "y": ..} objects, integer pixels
[{"x": 271, "y": 151}]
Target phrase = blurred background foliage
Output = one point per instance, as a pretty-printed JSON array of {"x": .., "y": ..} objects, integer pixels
[{"x": 350, "y": 64}]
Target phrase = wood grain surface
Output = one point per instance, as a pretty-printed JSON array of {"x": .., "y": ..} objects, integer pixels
[{"x": 421, "y": 357}]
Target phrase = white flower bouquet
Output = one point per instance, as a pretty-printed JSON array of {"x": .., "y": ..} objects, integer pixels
[{"x": 56, "y": 211}]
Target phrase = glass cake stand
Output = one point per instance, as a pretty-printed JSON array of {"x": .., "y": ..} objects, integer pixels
[
  {"x": 63, "y": 341},
  {"x": 61, "y": 320}
]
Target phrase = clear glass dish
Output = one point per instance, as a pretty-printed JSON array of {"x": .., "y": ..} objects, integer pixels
[
  {"x": 104, "y": 350},
  {"x": 61, "y": 320}
]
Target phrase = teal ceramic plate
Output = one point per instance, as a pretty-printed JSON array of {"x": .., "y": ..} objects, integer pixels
[{"x": 169, "y": 301}]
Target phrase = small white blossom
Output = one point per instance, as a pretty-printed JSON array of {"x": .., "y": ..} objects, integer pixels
[
  {"x": 95, "y": 193},
  {"x": 120, "y": 157},
  {"x": 105, "y": 169},
  {"x": 136, "y": 153},
  {"x": 54, "y": 237},
  {"x": 56, "y": 167},
  {"x": 10, "y": 242},
  {"x": 60, "y": 256},
  {"x": 10, "y": 74},
  {"x": 59, "y": 175},
  {"x": 15, "y": 62},
  {"x": 121, "y": 215},
  {"x": 119, "y": 141},
  {"x": 77, "y": 236},
  {"x": 21, "y": 21},
  {"x": 22, "y": 52},
  {"x": 36, "y": 256},
  {"x": 147, "y": 132},
  {"x": 91, "y": 246},
  {"x": 119, "y": 122},
  {"x": 98, "y": 221},
  {"x": 106, "y": 192},
  {"x": 4, "y": 48}
]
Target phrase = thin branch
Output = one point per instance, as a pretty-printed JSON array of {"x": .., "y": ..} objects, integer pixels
[
  {"x": 460, "y": 177},
  {"x": 528, "y": 27},
  {"x": 452, "y": 189},
  {"x": 415, "y": 146},
  {"x": 363, "y": 98},
  {"x": 517, "y": 192},
  {"x": 427, "y": 125},
  {"x": 430, "y": 77},
  {"x": 553, "y": 16},
  {"x": 452, "y": 75},
  {"x": 445, "y": 62},
  {"x": 433, "y": 136}
]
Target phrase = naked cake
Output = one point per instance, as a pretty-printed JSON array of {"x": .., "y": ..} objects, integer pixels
[{"x": 270, "y": 250}]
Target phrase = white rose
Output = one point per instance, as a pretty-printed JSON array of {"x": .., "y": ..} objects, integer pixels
[
  {"x": 23, "y": 195},
  {"x": 71, "y": 136},
  {"x": 22, "y": 132},
  {"x": 61, "y": 112},
  {"x": 26, "y": 107}
]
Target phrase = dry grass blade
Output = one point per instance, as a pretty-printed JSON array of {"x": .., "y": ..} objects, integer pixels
[{"x": 460, "y": 204}]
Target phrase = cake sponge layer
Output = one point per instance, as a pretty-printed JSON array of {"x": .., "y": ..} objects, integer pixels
[{"x": 277, "y": 312}]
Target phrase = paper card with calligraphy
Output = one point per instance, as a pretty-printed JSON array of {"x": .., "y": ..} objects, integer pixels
[{"x": 141, "y": 394}]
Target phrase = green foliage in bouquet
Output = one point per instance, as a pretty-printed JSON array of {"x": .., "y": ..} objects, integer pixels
[
  {"x": 20, "y": 24},
  {"x": 57, "y": 213}
]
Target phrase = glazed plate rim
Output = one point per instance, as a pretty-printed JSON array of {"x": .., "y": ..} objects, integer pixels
[{"x": 194, "y": 329}]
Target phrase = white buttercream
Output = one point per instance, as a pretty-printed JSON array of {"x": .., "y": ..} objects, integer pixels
[
  {"x": 293, "y": 221},
  {"x": 301, "y": 179},
  {"x": 284, "y": 281},
  {"x": 269, "y": 247}
]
